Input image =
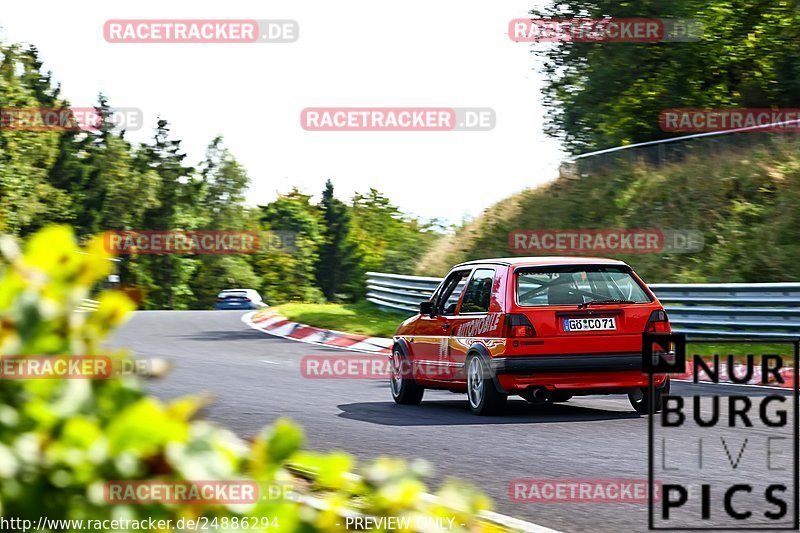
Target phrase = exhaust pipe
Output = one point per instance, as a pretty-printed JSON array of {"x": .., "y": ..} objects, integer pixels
[
  {"x": 541, "y": 394},
  {"x": 537, "y": 395}
]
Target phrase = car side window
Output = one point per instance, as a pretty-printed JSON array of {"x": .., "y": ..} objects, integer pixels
[
  {"x": 447, "y": 298},
  {"x": 478, "y": 293}
]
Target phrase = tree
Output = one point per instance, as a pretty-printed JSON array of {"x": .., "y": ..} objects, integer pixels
[
  {"x": 96, "y": 180},
  {"x": 600, "y": 95},
  {"x": 27, "y": 198},
  {"x": 223, "y": 183},
  {"x": 336, "y": 258},
  {"x": 289, "y": 275},
  {"x": 176, "y": 210},
  {"x": 219, "y": 189},
  {"x": 384, "y": 239}
]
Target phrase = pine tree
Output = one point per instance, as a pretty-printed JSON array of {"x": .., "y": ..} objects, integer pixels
[
  {"x": 175, "y": 212},
  {"x": 335, "y": 254}
]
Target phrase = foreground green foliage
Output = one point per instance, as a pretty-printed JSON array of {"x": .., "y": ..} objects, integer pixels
[
  {"x": 62, "y": 439},
  {"x": 364, "y": 318}
]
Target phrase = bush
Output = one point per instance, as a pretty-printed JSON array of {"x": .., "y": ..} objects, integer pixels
[{"x": 61, "y": 440}]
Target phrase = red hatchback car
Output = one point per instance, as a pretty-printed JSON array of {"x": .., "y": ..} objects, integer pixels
[{"x": 544, "y": 328}]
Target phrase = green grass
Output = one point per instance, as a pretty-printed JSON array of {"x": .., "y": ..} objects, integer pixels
[
  {"x": 363, "y": 317},
  {"x": 740, "y": 349},
  {"x": 743, "y": 200}
]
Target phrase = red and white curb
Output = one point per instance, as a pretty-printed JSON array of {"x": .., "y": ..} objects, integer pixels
[{"x": 274, "y": 324}]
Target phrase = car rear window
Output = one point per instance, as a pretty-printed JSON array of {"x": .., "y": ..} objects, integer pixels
[
  {"x": 232, "y": 294},
  {"x": 572, "y": 285}
]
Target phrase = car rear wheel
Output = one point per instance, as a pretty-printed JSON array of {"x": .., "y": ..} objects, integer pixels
[
  {"x": 640, "y": 399},
  {"x": 559, "y": 397},
  {"x": 405, "y": 389},
  {"x": 483, "y": 396}
]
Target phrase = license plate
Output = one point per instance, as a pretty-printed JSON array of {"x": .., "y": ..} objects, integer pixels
[{"x": 590, "y": 324}]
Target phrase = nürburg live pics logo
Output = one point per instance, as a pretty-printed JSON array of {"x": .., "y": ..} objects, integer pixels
[{"x": 724, "y": 454}]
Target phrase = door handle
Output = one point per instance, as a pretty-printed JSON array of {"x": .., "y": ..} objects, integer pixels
[{"x": 446, "y": 325}]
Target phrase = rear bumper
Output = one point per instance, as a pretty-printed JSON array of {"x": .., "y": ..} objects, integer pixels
[
  {"x": 233, "y": 307},
  {"x": 548, "y": 364},
  {"x": 573, "y": 372}
]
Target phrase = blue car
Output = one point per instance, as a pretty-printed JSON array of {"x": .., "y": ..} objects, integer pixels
[{"x": 239, "y": 299}]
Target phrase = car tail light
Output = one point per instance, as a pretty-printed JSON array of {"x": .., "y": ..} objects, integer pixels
[
  {"x": 658, "y": 322},
  {"x": 517, "y": 326}
]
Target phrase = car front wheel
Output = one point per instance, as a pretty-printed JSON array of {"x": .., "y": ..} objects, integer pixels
[
  {"x": 640, "y": 399},
  {"x": 483, "y": 396},
  {"x": 405, "y": 389}
]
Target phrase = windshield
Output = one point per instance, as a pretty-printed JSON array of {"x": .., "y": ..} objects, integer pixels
[{"x": 575, "y": 285}]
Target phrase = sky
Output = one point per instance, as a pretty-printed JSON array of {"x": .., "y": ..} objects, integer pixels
[{"x": 350, "y": 53}]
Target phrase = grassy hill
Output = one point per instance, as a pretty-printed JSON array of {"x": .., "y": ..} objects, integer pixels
[{"x": 746, "y": 201}]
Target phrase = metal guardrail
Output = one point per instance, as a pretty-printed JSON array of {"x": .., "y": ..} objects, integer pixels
[
  {"x": 761, "y": 310},
  {"x": 772, "y": 136}
]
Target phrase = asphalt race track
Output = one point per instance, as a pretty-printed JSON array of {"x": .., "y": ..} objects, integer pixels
[{"x": 256, "y": 378}]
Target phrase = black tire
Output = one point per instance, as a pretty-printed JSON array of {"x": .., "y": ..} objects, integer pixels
[
  {"x": 482, "y": 394},
  {"x": 559, "y": 397},
  {"x": 640, "y": 400},
  {"x": 405, "y": 389}
]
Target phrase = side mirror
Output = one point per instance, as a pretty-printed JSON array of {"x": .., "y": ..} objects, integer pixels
[{"x": 426, "y": 308}]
